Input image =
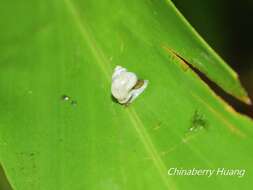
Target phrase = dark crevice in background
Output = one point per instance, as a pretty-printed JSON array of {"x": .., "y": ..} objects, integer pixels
[
  {"x": 238, "y": 105},
  {"x": 232, "y": 101},
  {"x": 227, "y": 26}
]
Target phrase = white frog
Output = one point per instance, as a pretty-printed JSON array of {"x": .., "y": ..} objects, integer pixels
[{"x": 126, "y": 86}]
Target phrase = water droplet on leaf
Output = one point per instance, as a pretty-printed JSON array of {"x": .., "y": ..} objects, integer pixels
[{"x": 65, "y": 98}]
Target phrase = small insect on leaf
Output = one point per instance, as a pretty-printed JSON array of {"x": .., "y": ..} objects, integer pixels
[{"x": 198, "y": 121}]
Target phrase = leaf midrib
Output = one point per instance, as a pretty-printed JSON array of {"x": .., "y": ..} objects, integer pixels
[{"x": 136, "y": 121}]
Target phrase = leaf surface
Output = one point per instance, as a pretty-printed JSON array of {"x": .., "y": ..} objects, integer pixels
[{"x": 56, "y": 48}]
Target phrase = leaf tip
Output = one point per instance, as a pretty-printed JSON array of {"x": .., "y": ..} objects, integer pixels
[{"x": 247, "y": 100}]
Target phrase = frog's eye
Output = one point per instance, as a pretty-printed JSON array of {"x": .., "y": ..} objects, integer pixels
[{"x": 126, "y": 86}]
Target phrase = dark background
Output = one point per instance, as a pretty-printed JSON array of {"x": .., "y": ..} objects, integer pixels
[{"x": 227, "y": 26}]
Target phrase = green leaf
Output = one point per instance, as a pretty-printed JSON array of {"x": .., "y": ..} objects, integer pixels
[{"x": 60, "y": 128}]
